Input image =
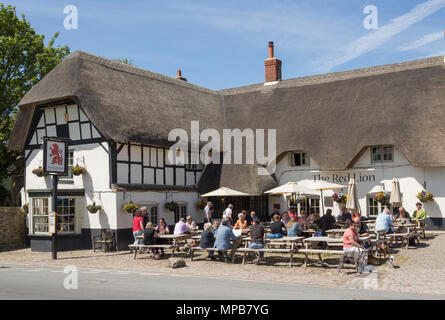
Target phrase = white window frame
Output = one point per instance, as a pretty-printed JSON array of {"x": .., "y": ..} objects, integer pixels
[
  {"x": 181, "y": 211},
  {"x": 33, "y": 208},
  {"x": 61, "y": 216},
  {"x": 304, "y": 159},
  {"x": 69, "y": 176},
  {"x": 382, "y": 154}
]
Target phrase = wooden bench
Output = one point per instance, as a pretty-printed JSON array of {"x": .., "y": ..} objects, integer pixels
[
  {"x": 193, "y": 249},
  {"x": 137, "y": 247},
  {"x": 319, "y": 252},
  {"x": 291, "y": 251}
]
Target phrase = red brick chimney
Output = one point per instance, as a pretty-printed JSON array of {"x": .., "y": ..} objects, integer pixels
[
  {"x": 179, "y": 76},
  {"x": 273, "y": 66}
]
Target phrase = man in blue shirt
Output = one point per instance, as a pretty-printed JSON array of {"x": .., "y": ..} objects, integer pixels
[
  {"x": 384, "y": 221},
  {"x": 224, "y": 235}
]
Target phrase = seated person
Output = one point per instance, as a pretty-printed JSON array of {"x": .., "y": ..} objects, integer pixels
[
  {"x": 256, "y": 233},
  {"x": 277, "y": 228},
  {"x": 351, "y": 247},
  {"x": 250, "y": 218},
  {"x": 150, "y": 236},
  {"x": 216, "y": 226},
  {"x": 419, "y": 214},
  {"x": 241, "y": 223},
  {"x": 208, "y": 239},
  {"x": 303, "y": 221},
  {"x": 224, "y": 235},
  {"x": 384, "y": 222},
  {"x": 181, "y": 227},
  {"x": 345, "y": 215},
  {"x": 190, "y": 223},
  {"x": 293, "y": 228},
  {"x": 275, "y": 211},
  {"x": 363, "y": 231},
  {"x": 162, "y": 227},
  {"x": 402, "y": 216},
  {"x": 285, "y": 217},
  {"x": 318, "y": 224},
  {"x": 329, "y": 220}
]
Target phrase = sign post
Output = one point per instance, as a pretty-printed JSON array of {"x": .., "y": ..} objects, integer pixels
[{"x": 55, "y": 163}]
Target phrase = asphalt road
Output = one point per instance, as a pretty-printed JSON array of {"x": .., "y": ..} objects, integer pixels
[{"x": 35, "y": 282}]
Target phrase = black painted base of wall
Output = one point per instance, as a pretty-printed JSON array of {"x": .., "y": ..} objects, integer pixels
[
  {"x": 82, "y": 241},
  {"x": 435, "y": 223}
]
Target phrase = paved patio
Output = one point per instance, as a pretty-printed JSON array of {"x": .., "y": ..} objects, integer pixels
[{"x": 419, "y": 270}]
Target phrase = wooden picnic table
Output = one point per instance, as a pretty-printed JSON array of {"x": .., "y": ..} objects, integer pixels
[
  {"x": 174, "y": 238},
  {"x": 335, "y": 231}
]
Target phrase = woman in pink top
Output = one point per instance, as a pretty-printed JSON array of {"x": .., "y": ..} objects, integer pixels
[
  {"x": 138, "y": 226},
  {"x": 351, "y": 247}
]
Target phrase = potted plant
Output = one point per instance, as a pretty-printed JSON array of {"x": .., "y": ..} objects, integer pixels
[
  {"x": 425, "y": 196},
  {"x": 172, "y": 205},
  {"x": 38, "y": 172},
  {"x": 93, "y": 208},
  {"x": 77, "y": 170},
  {"x": 201, "y": 205},
  {"x": 340, "y": 198},
  {"x": 25, "y": 208},
  {"x": 130, "y": 207},
  {"x": 382, "y": 197}
]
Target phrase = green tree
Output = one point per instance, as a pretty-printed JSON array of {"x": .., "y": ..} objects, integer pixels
[{"x": 24, "y": 60}]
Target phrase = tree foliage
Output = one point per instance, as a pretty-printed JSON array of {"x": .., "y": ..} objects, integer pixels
[{"x": 24, "y": 60}]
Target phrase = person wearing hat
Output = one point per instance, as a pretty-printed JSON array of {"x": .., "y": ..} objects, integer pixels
[{"x": 256, "y": 233}]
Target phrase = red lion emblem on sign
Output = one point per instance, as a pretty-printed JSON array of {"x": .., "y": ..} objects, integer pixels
[{"x": 56, "y": 154}]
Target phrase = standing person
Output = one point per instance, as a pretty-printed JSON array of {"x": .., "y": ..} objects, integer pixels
[
  {"x": 256, "y": 233},
  {"x": 208, "y": 239},
  {"x": 277, "y": 228},
  {"x": 384, "y": 221},
  {"x": 329, "y": 220},
  {"x": 227, "y": 214},
  {"x": 138, "y": 226},
  {"x": 224, "y": 235},
  {"x": 144, "y": 215},
  {"x": 207, "y": 213},
  {"x": 352, "y": 248}
]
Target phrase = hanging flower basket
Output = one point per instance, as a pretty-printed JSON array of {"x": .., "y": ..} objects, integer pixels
[
  {"x": 93, "y": 208},
  {"x": 171, "y": 205},
  {"x": 424, "y": 196},
  {"x": 38, "y": 172},
  {"x": 130, "y": 207},
  {"x": 25, "y": 208},
  {"x": 201, "y": 205},
  {"x": 78, "y": 170},
  {"x": 340, "y": 198},
  {"x": 297, "y": 199},
  {"x": 382, "y": 197}
]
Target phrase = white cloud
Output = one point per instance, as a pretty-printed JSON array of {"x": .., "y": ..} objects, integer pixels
[
  {"x": 422, "y": 41},
  {"x": 376, "y": 39}
]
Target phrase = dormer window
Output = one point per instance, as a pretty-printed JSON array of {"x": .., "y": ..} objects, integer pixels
[
  {"x": 382, "y": 153},
  {"x": 300, "y": 159}
]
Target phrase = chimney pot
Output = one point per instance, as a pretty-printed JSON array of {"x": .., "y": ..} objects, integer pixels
[
  {"x": 272, "y": 66},
  {"x": 179, "y": 76}
]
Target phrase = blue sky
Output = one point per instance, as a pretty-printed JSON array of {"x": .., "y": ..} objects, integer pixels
[{"x": 223, "y": 44}]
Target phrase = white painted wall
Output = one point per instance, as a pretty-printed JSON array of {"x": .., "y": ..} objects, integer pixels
[{"x": 411, "y": 179}]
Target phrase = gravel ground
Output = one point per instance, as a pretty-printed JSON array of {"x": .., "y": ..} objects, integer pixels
[{"x": 420, "y": 269}]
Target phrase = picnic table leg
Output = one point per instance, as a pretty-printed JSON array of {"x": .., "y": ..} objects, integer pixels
[
  {"x": 305, "y": 256},
  {"x": 290, "y": 259},
  {"x": 191, "y": 254},
  {"x": 135, "y": 252}
]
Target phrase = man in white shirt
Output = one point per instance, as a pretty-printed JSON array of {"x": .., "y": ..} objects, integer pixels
[
  {"x": 207, "y": 214},
  {"x": 228, "y": 213}
]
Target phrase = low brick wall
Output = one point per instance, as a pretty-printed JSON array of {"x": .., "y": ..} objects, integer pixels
[{"x": 12, "y": 228}]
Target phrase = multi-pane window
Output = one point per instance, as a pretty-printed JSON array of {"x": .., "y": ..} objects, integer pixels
[
  {"x": 382, "y": 153},
  {"x": 70, "y": 165},
  {"x": 180, "y": 212},
  {"x": 194, "y": 163},
  {"x": 39, "y": 213},
  {"x": 300, "y": 159},
  {"x": 153, "y": 214},
  {"x": 66, "y": 214},
  {"x": 373, "y": 206},
  {"x": 314, "y": 203}
]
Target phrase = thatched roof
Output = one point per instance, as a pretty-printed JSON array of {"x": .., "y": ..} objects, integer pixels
[{"x": 332, "y": 117}]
